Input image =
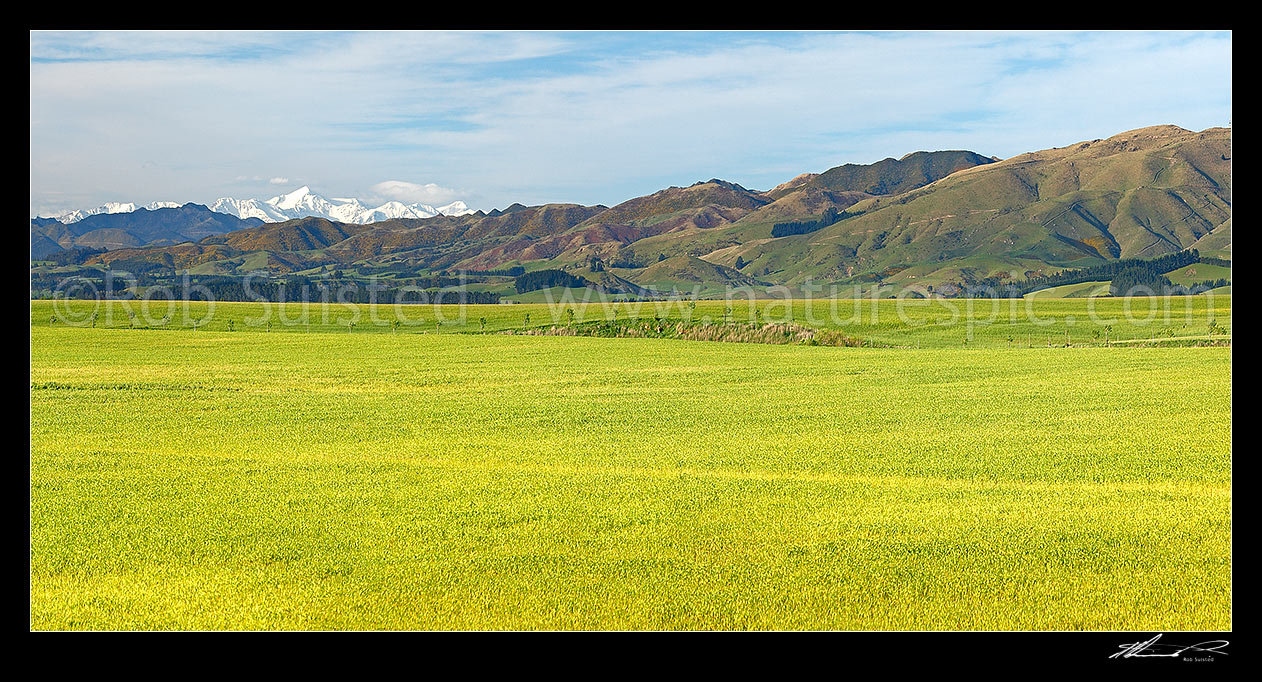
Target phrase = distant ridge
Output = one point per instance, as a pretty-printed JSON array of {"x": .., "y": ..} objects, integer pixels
[
  {"x": 142, "y": 227},
  {"x": 935, "y": 221}
]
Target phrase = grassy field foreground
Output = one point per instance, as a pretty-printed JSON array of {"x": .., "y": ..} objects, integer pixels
[{"x": 251, "y": 481}]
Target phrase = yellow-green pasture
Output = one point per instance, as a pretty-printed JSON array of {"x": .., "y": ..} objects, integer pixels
[{"x": 207, "y": 480}]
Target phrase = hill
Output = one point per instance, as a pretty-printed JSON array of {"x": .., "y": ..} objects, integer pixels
[
  {"x": 687, "y": 273},
  {"x": 1139, "y": 194},
  {"x": 890, "y": 176}
]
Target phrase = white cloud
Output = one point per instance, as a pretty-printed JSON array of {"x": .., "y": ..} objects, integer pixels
[
  {"x": 413, "y": 193},
  {"x": 278, "y": 181}
]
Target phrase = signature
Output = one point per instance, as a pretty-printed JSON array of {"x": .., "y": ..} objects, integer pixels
[{"x": 1152, "y": 649}]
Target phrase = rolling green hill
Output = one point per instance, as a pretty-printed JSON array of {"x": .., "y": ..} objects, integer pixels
[
  {"x": 1080, "y": 290},
  {"x": 1199, "y": 272},
  {"x": 1139, "y": 194}
]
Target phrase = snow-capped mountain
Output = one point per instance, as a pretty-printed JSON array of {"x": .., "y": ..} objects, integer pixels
[
  {"x": 303, "y": 203},
  {"x": 300, "y": 203},
  {"x": 67, "y": 217},
  {"x": 247, "y": 208}
]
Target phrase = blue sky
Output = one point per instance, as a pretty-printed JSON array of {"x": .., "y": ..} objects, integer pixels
[{"x": 586, "y": 117}]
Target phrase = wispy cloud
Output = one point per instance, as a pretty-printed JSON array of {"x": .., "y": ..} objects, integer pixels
[{"x": 590, "y": 117}]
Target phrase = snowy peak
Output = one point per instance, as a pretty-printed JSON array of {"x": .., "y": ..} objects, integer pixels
[
  {"x": 455, "y": 208},
  {"x": 294, "y": 199},
  {"x": 248, "y": 208}
]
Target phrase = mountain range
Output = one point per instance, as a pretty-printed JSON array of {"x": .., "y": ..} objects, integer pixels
[
  {"x": 303, "y": 203},
  {"x": 300, "y": 203},
  {"x": 941, "y": 219}
]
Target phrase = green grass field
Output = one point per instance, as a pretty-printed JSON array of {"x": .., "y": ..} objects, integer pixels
[
  {"x": 915, "y": 323},
  {"x": 326, "y": 479}
]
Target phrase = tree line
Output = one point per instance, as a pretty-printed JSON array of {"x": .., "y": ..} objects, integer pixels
[
  {"x": 293, "y": 289},
  {"x": 1125, "y": 273},
  {"x": 543, "y": 279},
  {"x": 515, "y": 271},
  {"x": 73, "y": 256},
  {"x": 831, "y": 215}
]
